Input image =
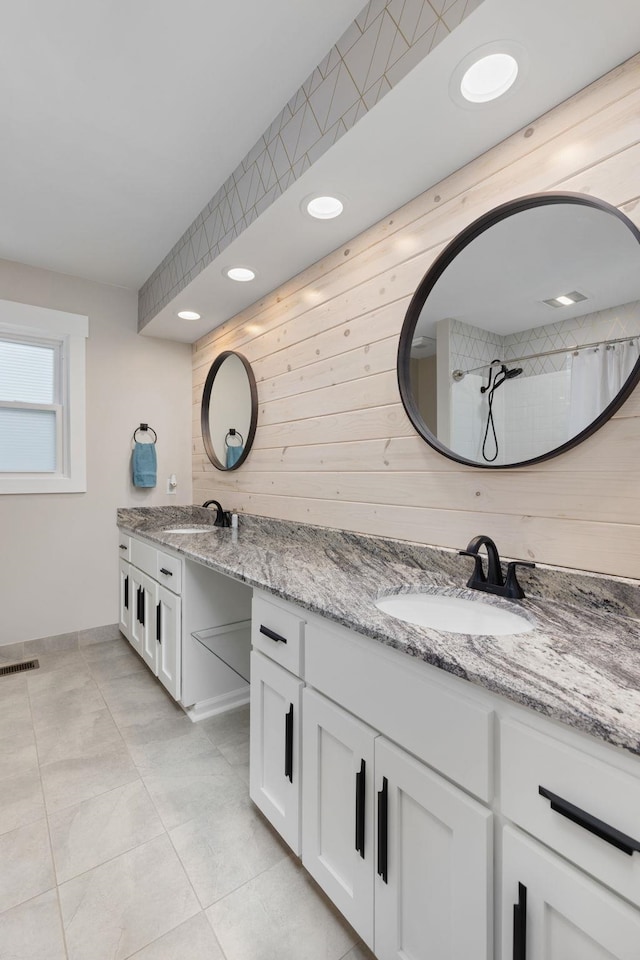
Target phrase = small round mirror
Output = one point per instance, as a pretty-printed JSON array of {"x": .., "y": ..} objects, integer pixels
[
  {"x": 523, "y": 337},
  {"x": 229, "y": 411}
]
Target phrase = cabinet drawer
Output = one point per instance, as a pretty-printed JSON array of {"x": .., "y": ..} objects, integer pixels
[
  {"x": 169, "y": 571},
  {"x": 144, "y": 557},
  {"x": 277, "y": 632},
  {"x": 401, "y": 698},
  {"x": 603, "y": 803},
  {"x": 124, "y": 546}
]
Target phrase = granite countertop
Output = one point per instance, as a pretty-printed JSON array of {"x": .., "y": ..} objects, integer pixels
[{"x": 580, "y": 665}]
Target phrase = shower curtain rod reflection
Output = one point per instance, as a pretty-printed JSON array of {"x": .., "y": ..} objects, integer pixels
[{"x": 458, "y": 375}]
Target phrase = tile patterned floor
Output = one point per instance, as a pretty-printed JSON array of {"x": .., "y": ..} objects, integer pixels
[{"x": 126, "y": 831}]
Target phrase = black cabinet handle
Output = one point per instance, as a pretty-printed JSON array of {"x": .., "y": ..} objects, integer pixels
[
  {"x": 360, "y": 799},
  {"x": 166, "y": 572},
  {"x": 142, "y": 605},
  {"x": 520, "y": 924},
  {"x": 598, "y": 827},
  {"x": 288, "y": 744},
  {"x": 383, "y": 829},
  {"x": 123, "y": 546},
  {"x": 138, "y": 618},
  {"x": 272, "y": 634},
  {"x": 126, "y": 592},
  {"x": 158, "y": 623}
]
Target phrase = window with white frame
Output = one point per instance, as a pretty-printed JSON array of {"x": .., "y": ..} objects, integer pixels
[{"x": 42, "y": 400}]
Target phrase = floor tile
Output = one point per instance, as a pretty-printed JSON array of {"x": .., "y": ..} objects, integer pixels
[
  {"x": 280, "y": 914},
  {"x": 190, "y": 754},
  {"x": 57, "y": 706},
  {"x": 67, "y": 782},
  {"x": 139, "y": 695},
  {"x": 180, "y": 796},
  {"x": 104, "y": 649},
  {"x": 88, "y": 638},
  {"x": 193, "y": 940},
  {"x": 27, "y": 869},
  {"x": 33, "y": 930},
  {"x": 229, "y": 732},
  {"x": 114, "y": 667},
  {"x": 21, "y": 801},
  {"x": 46, "y": 645},
  {"x": 18, "y": 755},
  {"x": 11, "y": 652},
  {"x": 58, "y": 662},
  {"x": 359, "y": 952},
  {"x": 222, "y": 851},
  {"x": 89, "y": 833},
  {"x": 136, "y": 730},
  {"x": 127, "y": 903},
  {"x": 84, "y": 735}
]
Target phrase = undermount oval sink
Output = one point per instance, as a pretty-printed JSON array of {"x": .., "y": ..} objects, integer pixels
[
  {"x": 203, "y": 528},
  {"x": 454, "y": 614}
]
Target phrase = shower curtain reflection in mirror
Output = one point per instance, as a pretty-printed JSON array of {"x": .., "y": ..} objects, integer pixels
[{"x": 597, "y": 376}]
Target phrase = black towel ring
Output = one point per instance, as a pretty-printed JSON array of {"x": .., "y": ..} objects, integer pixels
[
  {"x": 145, "y": 427},
  {"x": 233, "y": 433}
]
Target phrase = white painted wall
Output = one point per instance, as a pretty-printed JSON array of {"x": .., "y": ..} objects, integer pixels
[{"x": 58, "y": 556}]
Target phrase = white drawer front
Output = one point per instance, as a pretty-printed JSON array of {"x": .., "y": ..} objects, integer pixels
[
  {"x": 124, "y": 546},
  {"x": 143, "y": 556},
  {"x": 277, "y": 632},
  {"x": 600, "y": 792},
  {"x": 169, "y": 571},
  {"x": 393, "y": 694}
]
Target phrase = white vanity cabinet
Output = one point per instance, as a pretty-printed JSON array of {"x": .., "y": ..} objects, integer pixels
[
  {"x": 275, "y": 769},
  {"x": 419, "y": 788},
  {"x": 183, "y": 618},
  {"x": 551, "y": 911}
]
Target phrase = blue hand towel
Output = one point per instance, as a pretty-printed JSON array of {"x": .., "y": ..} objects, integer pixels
[
  {"x": 144, "y": 465},
  {"x": 233, "y": 454}
]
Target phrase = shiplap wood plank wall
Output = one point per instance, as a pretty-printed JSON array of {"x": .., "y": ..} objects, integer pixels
[{"x": 333, "y": 444}]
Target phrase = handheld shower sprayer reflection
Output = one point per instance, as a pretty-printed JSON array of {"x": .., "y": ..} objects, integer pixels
[{"x": 496, "y": 381}]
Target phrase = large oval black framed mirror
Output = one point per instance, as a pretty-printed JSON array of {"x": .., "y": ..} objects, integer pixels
[
  {"x": 229, "y": 410},
  {"x": 523, "y": 338}
]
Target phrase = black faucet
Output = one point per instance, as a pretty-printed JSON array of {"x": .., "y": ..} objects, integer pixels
[
  {"x": 493, "y": 582},
  {"x": 223, "y": 517}
]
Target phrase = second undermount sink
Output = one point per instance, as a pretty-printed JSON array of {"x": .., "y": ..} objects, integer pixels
[{"x": 454, "y": 614}]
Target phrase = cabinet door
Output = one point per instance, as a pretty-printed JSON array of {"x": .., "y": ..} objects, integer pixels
[
  {"x": 552, "y": 911},
  {"x": 274, "y": 762},
  {"x": 338, "y": 808},
  {"x": 141, "y": 608},
  {"x": 125, "y": 599},
  {"x": 147, "y": 625},
  {"x": 168, "y": 637},
  {"x": 433, "y": 885}
]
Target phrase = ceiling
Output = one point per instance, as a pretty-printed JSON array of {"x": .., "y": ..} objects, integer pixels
[
  {"x": 121, "y": 120},
  {"x": 114, "y": 113}
]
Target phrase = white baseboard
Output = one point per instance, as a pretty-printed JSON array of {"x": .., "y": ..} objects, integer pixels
[{"x": 209, "y": 708}]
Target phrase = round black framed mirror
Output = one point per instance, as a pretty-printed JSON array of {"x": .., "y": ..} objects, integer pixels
[
  {"x": 229, "y": 410},
  {"x": 523, "y": 338}
]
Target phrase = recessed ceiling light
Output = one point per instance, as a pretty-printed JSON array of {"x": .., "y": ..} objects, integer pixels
[
  {"x": 188, "y": 315},
  {"x": 241, "y": 274},
  {"x": 489, "y": 77},
  {"x": 324, "y": 208},
  {"x": 488, "y": 72}
]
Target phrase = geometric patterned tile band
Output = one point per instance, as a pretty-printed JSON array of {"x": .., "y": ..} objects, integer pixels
[{"x": 381, "y": 46}]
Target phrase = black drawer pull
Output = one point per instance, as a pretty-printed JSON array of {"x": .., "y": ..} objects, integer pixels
[
  {"x": 360, "y": 800},
  {"x": 598, "y": 827},
  {"x": 126, "y": 592},
  {"x": 520, "y": 924},
  {"x": 159, "y": 623},
  {"x": 138, "y": 617},
  {"x": 123, "y": 546},
  {"x": 142, "y": 605},
  {"x": 272, "y": 634},
  {"x": 288, "y": 744},
  {"x": 166, "y": 572},
  {"x": 383, "y": 831}
]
